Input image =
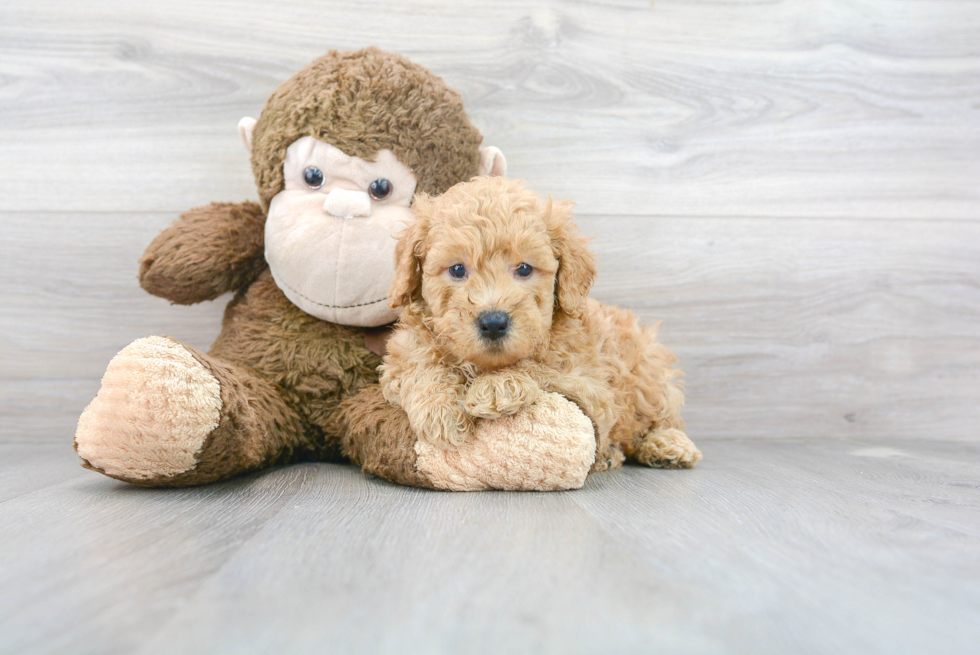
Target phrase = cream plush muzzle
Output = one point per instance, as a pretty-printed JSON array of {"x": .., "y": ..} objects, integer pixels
[{"x": 331, "y": 249}]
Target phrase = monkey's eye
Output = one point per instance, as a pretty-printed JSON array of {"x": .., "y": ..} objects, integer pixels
[
  {"x": 380, "y": 189},
  {"x": 457, "y": 271},
  {"x": 313, "y": 177},
  {"x": 524, "y": 270}
]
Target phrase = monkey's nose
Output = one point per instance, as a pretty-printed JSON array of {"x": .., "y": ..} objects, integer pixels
[
  {"x": 344, "y": 203},
  {"x": 493, "y": 325}
]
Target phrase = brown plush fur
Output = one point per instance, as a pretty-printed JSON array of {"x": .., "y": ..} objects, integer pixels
[
  {"x": 208, "y": 251},
  {"x": 446, "y": 374},
  {"x": 312, "y": 364},
  {"x": 377, "y": 436},
  {"x": 284, "y": 375},
  {"x": 363, "y": 102}
]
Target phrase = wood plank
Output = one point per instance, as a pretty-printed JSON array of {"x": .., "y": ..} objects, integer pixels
[
  {"x": 825, "y": 328},
  {"x": 823, "y": 547},
  {"x": 822, "y": 328},
  {"x": 677, "y": 108},
  {"x": 817, "y": 546},
  {"x": 29, "y": 465},
  {"x": 96, "y": 565},
  {"x": 434, "y": 573}
]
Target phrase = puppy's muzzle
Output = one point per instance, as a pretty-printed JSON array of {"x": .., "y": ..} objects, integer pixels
[{"x": 493, "y": 325}]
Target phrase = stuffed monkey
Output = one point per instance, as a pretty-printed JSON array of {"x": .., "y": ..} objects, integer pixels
[{"x": 338, "y": 152}]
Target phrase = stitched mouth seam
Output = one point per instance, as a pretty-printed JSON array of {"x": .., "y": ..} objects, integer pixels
[{"x": 360, "y": 304}]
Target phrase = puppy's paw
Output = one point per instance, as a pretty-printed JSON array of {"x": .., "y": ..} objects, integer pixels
[
  {"x": 667, "y": 449},
  {"x": 608, "y": 458},
  {"x": 443, "y": 424},
  {"x": 500, "y": 394}
]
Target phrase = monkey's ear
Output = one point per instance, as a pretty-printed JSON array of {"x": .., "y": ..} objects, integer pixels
[
  {"x": 245, "y": 127},
  {"x": 492, "y": 162},
  {"x": 409, "y": 255},
  {"x": 576, "y": 263}
]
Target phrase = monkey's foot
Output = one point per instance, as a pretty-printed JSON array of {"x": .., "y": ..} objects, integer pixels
[
  {"x": 152, "y": 416},
  {"x": 546, "y": 446},
  {"x": 667, "y": 449}
]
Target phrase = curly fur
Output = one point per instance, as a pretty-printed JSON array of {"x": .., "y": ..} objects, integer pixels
[{"x": 446, "y": 375}]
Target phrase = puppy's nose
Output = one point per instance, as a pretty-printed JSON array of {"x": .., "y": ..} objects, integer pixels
[{"x": 493, "y": 325}]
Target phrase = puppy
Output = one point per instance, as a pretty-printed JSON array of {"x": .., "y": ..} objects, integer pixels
[{"x": 495, "y": 288}]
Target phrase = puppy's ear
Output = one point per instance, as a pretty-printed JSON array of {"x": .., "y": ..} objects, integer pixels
[
  {"x": 576, "y": 263},
  {"x": 409, "y": 252}
]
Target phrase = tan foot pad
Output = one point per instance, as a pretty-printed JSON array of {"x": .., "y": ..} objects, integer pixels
[
  {"x": 547, "y": 446},
  {"x": 156, "y": 407}
]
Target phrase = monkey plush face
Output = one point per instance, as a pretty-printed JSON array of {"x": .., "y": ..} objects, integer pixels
[
  {"x": 330, "y": 234},
  {"x": 337, "y": 153}
]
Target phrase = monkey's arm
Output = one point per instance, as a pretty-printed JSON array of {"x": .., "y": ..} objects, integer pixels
[{"x": 206, "y": 252}]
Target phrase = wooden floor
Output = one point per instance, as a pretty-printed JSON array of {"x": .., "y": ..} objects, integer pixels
[
  {"x": 780, "y": 546},
  {"x": 791, "y": 186}
]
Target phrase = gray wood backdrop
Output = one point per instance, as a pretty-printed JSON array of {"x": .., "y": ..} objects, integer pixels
[{"x": 793, "y": 187}]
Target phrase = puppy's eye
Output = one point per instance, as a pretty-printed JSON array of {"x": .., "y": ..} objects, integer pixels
[
  {"x": 313, "y": 177},
  {"x": 457, "y": 271},
  {"x": 524, "y": 270},
  {"x": 380, "y": 189}
]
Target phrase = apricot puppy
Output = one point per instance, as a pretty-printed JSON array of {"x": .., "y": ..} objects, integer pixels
[{"x": 495, "y": 286}]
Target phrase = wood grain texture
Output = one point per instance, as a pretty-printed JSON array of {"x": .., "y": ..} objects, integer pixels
[
  {"x": 791, "y": 186},
  {"x": 820, "y": 108},
  {"x": 813, "y": 546}
]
